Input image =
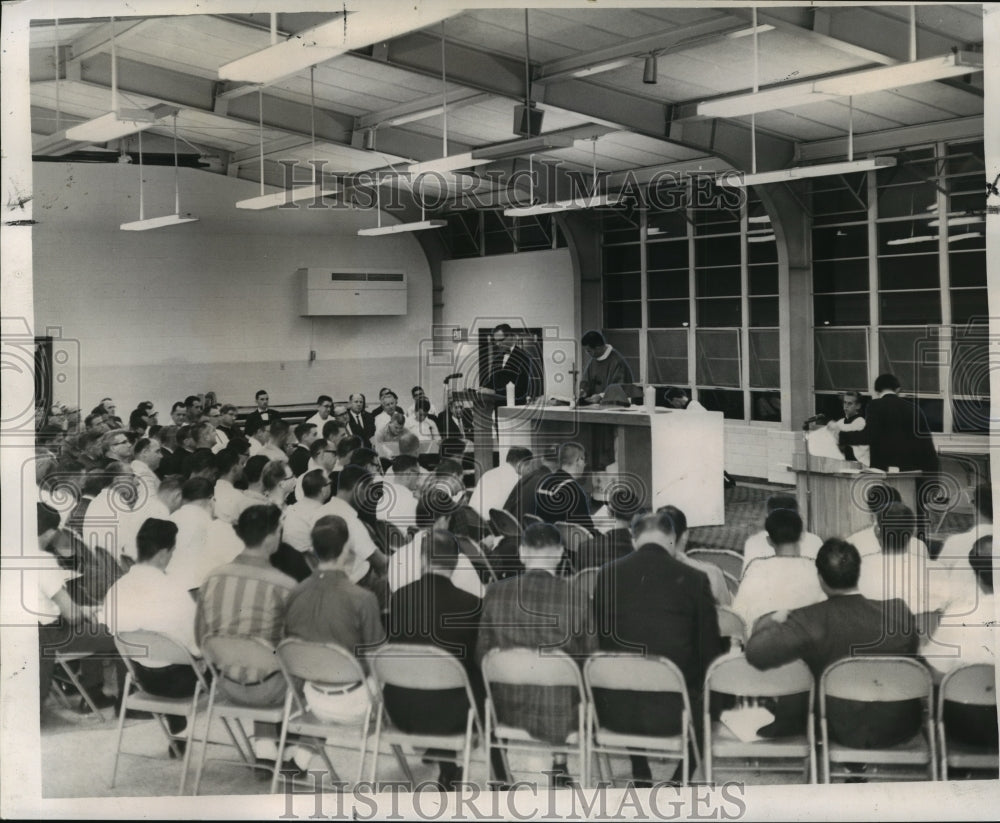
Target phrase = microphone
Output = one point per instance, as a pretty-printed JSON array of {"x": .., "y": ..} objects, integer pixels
[
  {"x": 818, "y": 418},
  {"x": 454, "y": 376}
]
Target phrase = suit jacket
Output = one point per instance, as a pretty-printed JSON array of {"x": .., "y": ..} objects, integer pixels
[
  {"x": 535, "y": 610},
  {"x": 603, "y": 548},
  {"x": 299, "y": 460},
  {"x": 518, "y": 371},
  {"x": 254, "y": 420},
  {"x": 448, "y": 427},
  {"x": 433, "y": 611},
  {"x": 521, "y": 500},
  {"x": 559, "y": 497},
  {"x": 845, "y": 626},
  {"x": 898, "y": 434},
  {"x": 365, "y": 429}
]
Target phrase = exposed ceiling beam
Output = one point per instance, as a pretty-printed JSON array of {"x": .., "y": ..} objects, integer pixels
[
  {"x": 421, "y": 108},
  {"x": 99, "y": 40},
  {"x": 958, "y": 128},
  {"x": 679, "y": 39}
]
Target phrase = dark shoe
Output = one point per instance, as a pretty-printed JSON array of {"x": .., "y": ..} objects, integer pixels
[
  {"x": 448, "y": 775},
  {"x": 101, "y": 700},
  {"x": 559, "y": 776},
  {"x": 133, "y": 714},
  {"x": 264, "y": 768},
  {"x": 177, "y": 750}
]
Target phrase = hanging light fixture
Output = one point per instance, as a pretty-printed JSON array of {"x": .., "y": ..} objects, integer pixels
[
  {"x": 142, "y": 224},
  {"x": 649, "y": 70}
]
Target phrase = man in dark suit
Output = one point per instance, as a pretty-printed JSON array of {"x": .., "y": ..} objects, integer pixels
[
  {"x": 521, "y": 500},
  {"x": 433, "y": 611},
  {"x": 896, "y": 430},
  {"x": 455, "y": 421},
  {"x": 651, "y": 603},
  {"x": 263, "y": 416},
  {"x": 359, "y": 422},
  {"x": 613, "y": 544},
  {"x": 846, "y": 624},
  {"x": 511, "y": 364},
  {"x": 536, "y": 610},
  {"x": 559, "y": 496}
]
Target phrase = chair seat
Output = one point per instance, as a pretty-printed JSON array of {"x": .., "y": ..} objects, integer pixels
[
  {"x": 516, "y": 733},
  {"x": 914, "y": 750},
  {"x": 966, "y": 756},
  {"x": 142, "y": 701},
  {"x": 639, "y": 741},
  {"x": 266, "y": 714},
  {"x": 310, "y": 724},
  {"x": 432, "y": 741},
  {"x": 727, "y": 744}
]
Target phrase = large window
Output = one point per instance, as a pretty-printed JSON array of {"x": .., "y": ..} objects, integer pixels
[
  {"x": 482, "y": 233},
  {"x": 899, "y": 288},
  {"x": 690, "y": 298}
]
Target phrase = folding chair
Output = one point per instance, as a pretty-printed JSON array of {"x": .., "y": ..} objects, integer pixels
[
  {"x": 504, "y": 524},
  {"x": 878, "y": 680},
  {"x": 480, "y": 561},
  {"x": 573, "y": 536},
  {"x": 426, "y": 667},
  {"x": 140, "y": 645},
  {"x": 628, "y": 672},
  {"x": 969, "y": 685},
  {"x": 64, "y": 661},
  {"x": 530, "y": 520},
  {"x": 521, "y": 666},
  {"x": 319, "y": 663},
  {"x": 585, "y": 581},
  {"x": 222, "y": 652},
  {"x": 733, "y": 675},
  {"x": 731, "y": 625},
  {"x": 729, "y": 561}
]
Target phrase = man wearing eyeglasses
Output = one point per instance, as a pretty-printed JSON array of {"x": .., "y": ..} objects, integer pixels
[{"x": 324, "y": 403}]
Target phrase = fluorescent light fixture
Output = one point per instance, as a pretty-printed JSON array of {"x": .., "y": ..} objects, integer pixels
[
  {"x": 853, "y": 83},
  {"x": 371, "y": 24},
  {"x": 413, "y": 116},
  {"x": 453, "y": 162},
  {"x": 295, "y": 195},
  {"x": 736, "y": 179},
  {"x": 747, "y": 32},
  {"x": 119, "y": 123},
  {"x": 517, "y": 148},
  {"x": 158, "y": 222},
  {"x": 762, "y": 218},
  {"x": 600, "y": 68},
  {"x": 957, "y": 221},
  {"x": 400, "y": 228},
  {"x": 761, "y": 238},
  {"x": 965, "y": 235},
  {"x": 572, "y": 204},
  {"x": 652, "y": 231},
  {"x": 909, "y": 241}
]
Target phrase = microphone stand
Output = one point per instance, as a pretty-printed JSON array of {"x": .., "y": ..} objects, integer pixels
[
  {"x": 808, "y": 501},
  {"x": 575, "y": 373}
]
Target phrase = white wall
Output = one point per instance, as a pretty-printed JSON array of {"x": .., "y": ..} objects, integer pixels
[
  {"x": 531, "y": 289},
  {"x": 212, "y": 305}
]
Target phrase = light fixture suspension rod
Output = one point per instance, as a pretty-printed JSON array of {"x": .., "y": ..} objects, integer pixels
[
  {"x": 56, "y": 61},
  {"x": 527, "y": 62},
  {"x": 850, "y": 128},
  {"x": 312, "y": 120},
  {"x": 444, "y": 98},
  {"x": 142, "y": 214},
  {"x": 753, "y": 115},
  {"x": 260, "y": 135},
  {"x": 114, "y": 70},
  {"x": 913, "y": 32},
  {"x": 177, "y": 182}
]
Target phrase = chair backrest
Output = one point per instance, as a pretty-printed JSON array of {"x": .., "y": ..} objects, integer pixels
[
  {"x": 729, "y": 561},
  {"x": 876, "y": 679},
  {"x": 632, "y": 672},
  {"x": 734, "y": 675},
  {"x": 585, "y": 580},
  {"x": 530, "y": 519},
  {"x": 521, "y": 666},
  {"x": 573, "y": 534},
  {"x": 142, "y": 644},
  {"x": 731, "y": 624},
  {"x": 504, "y": 523},
  {"x": 419, "y": 666},
  {"x": 227, "y": 651},
  {"x": 326, "y": 663},
  {"x": 973, "y": 684},
  {"x": 480, "y": 562}
]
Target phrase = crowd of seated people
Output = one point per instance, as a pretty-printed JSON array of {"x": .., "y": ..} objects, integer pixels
[{"x": 275, "y": 531}]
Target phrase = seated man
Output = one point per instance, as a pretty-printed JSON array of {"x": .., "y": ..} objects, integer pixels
[
  {"x": 756, "y": 545},
  {"x": 877, "y": 497},
  {"x": 229, "y": 501},
  {"x": 843, "y": 625},
  {"x": 248, "y": 598},
  {"x": 398, "y": 503},
  {"x": 716, "y": 579},
  {"x": 785, "y": 581},
  {"x": 417, "y": 393},
  {"x": 424, "y": 427},
  {"x": 559, "y": 496},
  {"x": 324, "y": 405},
  {"x": 327, "y": 607},
  {"x": 386, "y": 439},
  {"x": 301, "y": 517},
  {"x": 202, "y": 542},
  {"x": 537, "y": 610},
  {"x": 305, "y": 435},
  {"x": 433, "y": 610},
  {"x": 496, "y": 484},
  {"x": 969, "y": 638},
  {"x": 146, "y": 598}
]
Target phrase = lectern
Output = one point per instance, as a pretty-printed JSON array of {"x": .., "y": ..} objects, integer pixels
[{"x": 667, "y": 457}]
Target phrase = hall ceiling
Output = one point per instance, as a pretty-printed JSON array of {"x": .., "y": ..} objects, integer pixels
[{"x": 619, "y": 122}]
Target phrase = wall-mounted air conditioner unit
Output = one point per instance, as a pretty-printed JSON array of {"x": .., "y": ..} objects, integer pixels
[{"x": 352, "y": 292}]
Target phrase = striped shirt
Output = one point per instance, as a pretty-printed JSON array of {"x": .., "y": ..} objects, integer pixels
[{"x": 246, "y": 598}]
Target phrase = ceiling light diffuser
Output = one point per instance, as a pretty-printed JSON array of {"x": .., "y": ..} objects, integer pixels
[
  {"x": 400, "y": 228},
  {"x": 737, "y": 179}
]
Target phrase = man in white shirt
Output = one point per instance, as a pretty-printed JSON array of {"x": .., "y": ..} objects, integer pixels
[
  {"x": 398, "y": 503},
  {"x": 756, "y": 545},
  {"x": 369, "y": 562},
  {"x": 678, "y": 399},
  {"x": 877, "y": 497},
  {"x": 161, "y": 505},
  {"x": 229, "y": 501},
  {"x": 324, "y": 404},
  {"x": 417, "y": 393},
  {"x": 784, "y": 581},
  {"x": 852, "y": 421},
  {"x": 146, "y": 462},
  {"x": 301, "y": 516},
  {"x": 201, "y": 546},
  {"x": 955, "y": 551},
  {"x": 495, "y": 485},
  {"x": 102, "y": 521},
  {"x": 386, "y": 439}
]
